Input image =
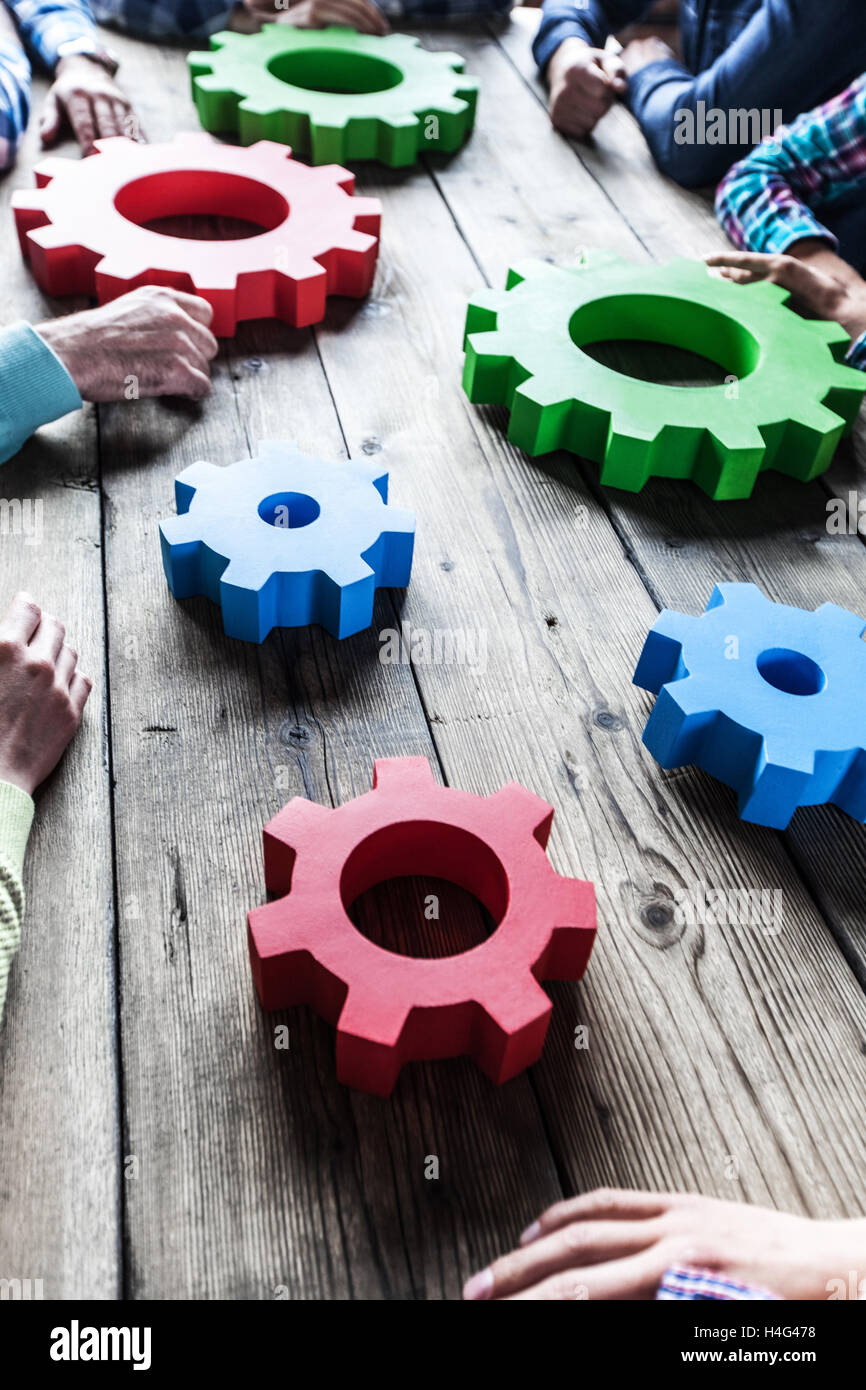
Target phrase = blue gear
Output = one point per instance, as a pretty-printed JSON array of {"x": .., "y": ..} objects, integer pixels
[
  {"x": 767, "y": 698},
  {"x": 283, "y": 540}
]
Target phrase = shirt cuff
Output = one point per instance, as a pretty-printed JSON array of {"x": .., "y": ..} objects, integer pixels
[
  {"x": 643, "y": 83},
  {"x": 856, "y": 355},
  {"x": 35, "y": 387},
  {"x": 553, "y": 32},
  {"x": 16, "y": 818}
]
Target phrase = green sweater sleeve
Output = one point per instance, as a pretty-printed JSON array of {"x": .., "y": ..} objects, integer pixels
[
  {"x": 35, "y": 387},
  {"x": 16, "y": 818}
]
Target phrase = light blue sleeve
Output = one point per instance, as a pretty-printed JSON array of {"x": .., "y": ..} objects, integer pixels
[{"x": 35, "y": 387}]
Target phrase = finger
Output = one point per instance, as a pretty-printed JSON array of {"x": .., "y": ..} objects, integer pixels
[
  {"x": 186, "y": 380},
  {"x": 47, "y": 641},
  {"x": 202, "y": 341},
  {"x": 80, "y": 114},
  {"x": 66, "y": 664},
  {"x": 744, "y": 260},
  {"x": 49, "y": 120},
  {"x": 636, "y": 1277},
  {"x": 616, "y": 72},
  {"x": 21, "y": 619},
  {"x": 79, "y": 690},
  {"x": 615, "y": 1204},
  {"x": 590, "y": 78},
  {"x": 573, "y": 1247},
  {"x": 127, "y": 121},
  {"x": 194, "y": 305},
  {"x": 104, "y": 118}
]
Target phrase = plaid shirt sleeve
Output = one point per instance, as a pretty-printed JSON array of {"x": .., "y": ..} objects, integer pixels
[
  {"x": 774, "y": 196},
  {"x": 699, "y": 1285},
  {"x": 165, "y": 19},
  {"x": 14, "y": 100},
  {"x": 45, "y": 25}
]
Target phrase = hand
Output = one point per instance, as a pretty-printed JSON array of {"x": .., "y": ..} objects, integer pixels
[
  {"x": 156, "y": 336},
  {"x": 833, "y": 291},
  {"x": 42, "y": 694},
  {"x": 361, "y": 15},
  {"x": 84, "y": 94},
  {"x": 641, "y": 52},
  {"x": 584, "y": 83},
  {"x": 617, "y": 1245}
]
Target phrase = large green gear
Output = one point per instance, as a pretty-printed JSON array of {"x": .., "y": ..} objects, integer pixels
[
  {"x": 787, "y": 401},
  {"x": 334, "y": 95}
]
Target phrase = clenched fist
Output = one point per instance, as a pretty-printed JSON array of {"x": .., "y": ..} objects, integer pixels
[
  {"x": 158, "y": 337},
  {"x": 584, "y": 83}
]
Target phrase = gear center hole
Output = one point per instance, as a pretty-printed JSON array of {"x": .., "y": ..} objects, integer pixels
[
  {"x": 201, "y": 205},
  {"x": 330, "y": 70},
  {"x": 289, "y": 510},
  {"x": 424, "y": 889},
  {"x": 692, "y": 344},
  {"x": 790, "y": 671}
]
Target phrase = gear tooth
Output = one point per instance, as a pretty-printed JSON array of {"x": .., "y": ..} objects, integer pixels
[
  {"x": 736, "y": 595},
  {"x": 532, "y": 268},
  {"x": 680, "y": 719},
  {"x": 521, "y": 809},
  {"x": 514, "y": 1028},
  {"x": 828, "y": 332},
  {"x": 53, "y": 166},
  {"x": 774, "y": 794},
  {"x": 482, "y": 312},
  {"x": 661, "y": 659},
  {"x": 370, "y": 1031},
  {"x": 197, "y": 475},
  {"x": 455, "y": 61},
  {"x": 298, "y": 826},
  {"x": 847, "y": 624},
  {"x": 179, "y": 530},
  {"x": 766, "y": 290},
  {"x": 403, "y": 774}
]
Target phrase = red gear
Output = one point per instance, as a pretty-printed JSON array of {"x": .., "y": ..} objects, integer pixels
[
  {"x": 80, "y": 228},
  {"x": 389, "y": 1008}
]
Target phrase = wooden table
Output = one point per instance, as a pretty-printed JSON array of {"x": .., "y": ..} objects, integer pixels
[{"x": 154, "y": 1143}]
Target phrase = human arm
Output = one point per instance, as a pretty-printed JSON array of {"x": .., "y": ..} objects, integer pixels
[
  {"x": 156, "y": 341},
  {"x": 62, "y": 36},
  {"x": 592, "y": 22},
  {"x": 820, "y": 282},
  {"x": 42, "y": 699},
  {"x": 361, "y": 15},
  {"x": 772, "y": 199},
  {"x": 780, "y": 61},
  {"x": 14, "y": 90},
  {"x": 619, "y": 1244}
]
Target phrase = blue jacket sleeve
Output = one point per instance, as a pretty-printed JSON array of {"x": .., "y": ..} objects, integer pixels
[
  {"x": 591, "y": 21},
  {"x": 14, "y": 100},
  {"x": 783, "y": 60},
  {"x": 35, "y": 387},
  {"x": 45, "y": 25}
]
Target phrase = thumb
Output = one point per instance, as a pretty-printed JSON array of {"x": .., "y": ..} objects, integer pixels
[
  {"x": 49, "y": 119},
  {"x": 615, "y": 69}
]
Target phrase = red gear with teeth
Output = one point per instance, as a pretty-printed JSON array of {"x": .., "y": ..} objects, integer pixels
[
  {"x": 388, "y": 1008},
  {"x": 80, "y": 228}
]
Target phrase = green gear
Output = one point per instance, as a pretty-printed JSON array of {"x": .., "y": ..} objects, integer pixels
[
  {"x": 788, "y": 399},
  {"x": 334, "y": 95}
]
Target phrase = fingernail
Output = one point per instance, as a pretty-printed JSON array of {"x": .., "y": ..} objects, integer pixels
[
  {"x": 479, "y": 1286},
  {"x": 531, "y": 1233}
]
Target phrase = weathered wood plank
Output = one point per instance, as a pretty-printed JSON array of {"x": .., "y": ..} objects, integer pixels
[
  {"x": 681, "y": 542},
  {"x": 257, "y": 1171},
  {"x": 703, "y": 1044},
  {"x": 59, "y": 1190}
]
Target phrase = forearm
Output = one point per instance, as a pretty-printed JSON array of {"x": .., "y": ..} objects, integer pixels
[
  {"x": 35, "y": 387},
  {"x": 46, "y": 25},
  {"x": 591, "y": 21},
  {"x": 16, "y": 818},
  {"x": 14, "y": 94},
  {"x": 772, "y": 199}
]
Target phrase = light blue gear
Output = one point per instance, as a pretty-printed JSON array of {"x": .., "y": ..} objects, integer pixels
[
  {"x": 337, "y": 541},
  {"x": 769, "y": 699}
]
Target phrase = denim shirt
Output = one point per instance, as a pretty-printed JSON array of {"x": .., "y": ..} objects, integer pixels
[{"x": 776, "y": 56}]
